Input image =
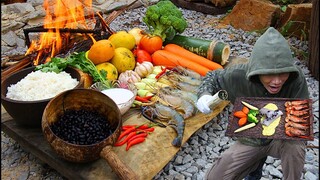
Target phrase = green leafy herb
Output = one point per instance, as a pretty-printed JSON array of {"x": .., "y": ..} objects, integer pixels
[{"x": 76, "y": 60}]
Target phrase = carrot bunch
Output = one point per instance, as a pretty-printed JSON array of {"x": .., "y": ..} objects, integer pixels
[
  {"x": 133, "y": 134},
  {"x": 174, "y": 55},
  {"x": 242, "y": 115}
]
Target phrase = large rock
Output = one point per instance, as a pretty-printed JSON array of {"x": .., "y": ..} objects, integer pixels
[
  {"x": 252, "y": 15},
  {"x": 296, "y": 20}
]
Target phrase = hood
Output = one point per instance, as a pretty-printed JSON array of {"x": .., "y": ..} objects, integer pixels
[{"x": 271, "y": 54}]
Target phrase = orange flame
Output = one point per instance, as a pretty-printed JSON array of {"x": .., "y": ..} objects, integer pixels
[{"x": 61, "y": 14}]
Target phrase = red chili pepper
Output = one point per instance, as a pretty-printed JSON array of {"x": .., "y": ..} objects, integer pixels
[
  {"x": 140, "y": 127},
  {"x": 161, "y": 73},
  {"x": 124, "y": 133},
  {"x": 134, "y": 142},
  {"x": 149, "y": 129},
  {"x": 124, "y": 127},
  {"x": 130, "y": 135},
  {"x": 141, "y": 99},
  {"x": 142, "y": 134},
  {"x": 148, "y": 97}
]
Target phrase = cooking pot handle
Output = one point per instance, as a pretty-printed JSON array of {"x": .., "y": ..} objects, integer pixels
[{"x": 117, "y": 165}]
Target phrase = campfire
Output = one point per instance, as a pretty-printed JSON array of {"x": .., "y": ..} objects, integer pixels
[{"x": 69, "y": 26}]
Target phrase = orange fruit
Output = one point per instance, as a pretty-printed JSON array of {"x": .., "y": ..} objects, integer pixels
[
  {"x": 101, "y": 51},
  {"x": 111, "y": 70}
]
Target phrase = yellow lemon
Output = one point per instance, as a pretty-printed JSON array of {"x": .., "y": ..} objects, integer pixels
[
  {"x": 110, "y": 69},
  {"x": 123, "y": 59},
  {"x": 101, "y": 51},
  {"x": 123, "y": 39}
]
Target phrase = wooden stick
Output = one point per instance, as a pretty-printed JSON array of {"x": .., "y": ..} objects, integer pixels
[{"x": 16, "y": 67}]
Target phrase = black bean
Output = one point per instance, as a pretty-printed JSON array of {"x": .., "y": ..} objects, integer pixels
[{"x": 82, "y": 127}]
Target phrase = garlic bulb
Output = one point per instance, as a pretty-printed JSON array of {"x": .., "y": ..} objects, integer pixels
[
  {"x": 129, "y": 76},
  {"x": 144, "y": 69}
]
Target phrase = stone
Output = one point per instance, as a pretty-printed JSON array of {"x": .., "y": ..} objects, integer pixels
[
  {"x": 250, "y": 15},
  {"x": 296, "y": 20}
]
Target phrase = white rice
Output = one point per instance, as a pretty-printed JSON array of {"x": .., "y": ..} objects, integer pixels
[{"x": 40, "y": 85}]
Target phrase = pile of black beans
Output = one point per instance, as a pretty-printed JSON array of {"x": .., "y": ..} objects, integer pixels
[{"x": 82, "y": 127}]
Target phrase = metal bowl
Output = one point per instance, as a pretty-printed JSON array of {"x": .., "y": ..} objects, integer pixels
[{"x": 28, "y": 113}]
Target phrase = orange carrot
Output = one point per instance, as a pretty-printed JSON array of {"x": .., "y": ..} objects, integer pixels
[
  {"x": 245, "y": 109},
  {"x": 169, "y": 59},
  {"x": 242, "y": 121},
  {"x": 239, "y": 114},
  {"x": 179, "y": 50}
]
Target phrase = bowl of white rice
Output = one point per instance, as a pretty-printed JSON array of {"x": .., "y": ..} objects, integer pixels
[{"x": 25, "y": 94}]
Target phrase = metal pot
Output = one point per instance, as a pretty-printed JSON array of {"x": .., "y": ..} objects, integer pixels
[{"x": 86, "y": 99}]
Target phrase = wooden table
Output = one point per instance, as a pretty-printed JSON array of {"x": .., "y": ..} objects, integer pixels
[{"x": 146, "y": 160}]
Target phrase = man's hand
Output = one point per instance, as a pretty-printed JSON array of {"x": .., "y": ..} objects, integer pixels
[{"x": 202, "y": 104}]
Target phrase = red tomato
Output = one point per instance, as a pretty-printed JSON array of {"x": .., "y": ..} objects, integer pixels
[
  {"x": 143, "y": 55},
  {"x": 151, "y": 43}
]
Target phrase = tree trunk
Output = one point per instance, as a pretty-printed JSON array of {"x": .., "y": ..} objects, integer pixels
[{"x": 313, "y": 63}]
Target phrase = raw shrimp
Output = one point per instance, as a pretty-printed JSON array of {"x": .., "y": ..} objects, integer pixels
[
  {"x": 187, "y": 72},
  {"x": 176, "y": 121},
  {"x": 189, "y": 96},
  {"x": 178, "y": 103},
  {"x": 181, "y": 78},
  {"x": 166, "y": 113},
  {"x": 184, "y": 86}
]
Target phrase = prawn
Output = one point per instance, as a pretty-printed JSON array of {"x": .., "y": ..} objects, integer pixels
[
  {"x": 176, "y": 121},
  {"x": 166, "y": 113},
  {"x": 178, "y": 103},
  {"x": 181, "y": 78},
  {"x": 187, "y": 72},
  {"x": 297, "y": 108},
  {"x": 184, "y": 86},
  {"x": 296, "y": 119},
  {"x": 189, "y": 96},
  {"x": 290, "y": 131},
  {"x": 299, "y": 113},
  {"x": 295, "y": 103},
  {"x": 296, "y": 125}
]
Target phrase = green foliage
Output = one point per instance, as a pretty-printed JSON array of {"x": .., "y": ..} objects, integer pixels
[
  {"x": 285, "y": 29},
  {"x": 284, "y": 2},
  {"x": 76, "y": 60},
  {"x": 164, "y": 19}
]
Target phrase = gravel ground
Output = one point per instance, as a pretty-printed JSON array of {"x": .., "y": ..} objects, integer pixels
[{"x": 198, "y": 154}]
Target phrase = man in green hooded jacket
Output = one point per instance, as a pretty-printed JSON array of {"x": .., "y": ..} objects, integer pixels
[{"x": 270, "y": 72}]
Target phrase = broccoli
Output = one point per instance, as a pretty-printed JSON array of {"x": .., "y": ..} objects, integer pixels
[{"x": 164, "y": 19}]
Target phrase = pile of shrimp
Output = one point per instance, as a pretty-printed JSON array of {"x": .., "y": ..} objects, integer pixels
[
  {"x": 297, "y": 120},
  {"x": 173, "y": 104}
]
